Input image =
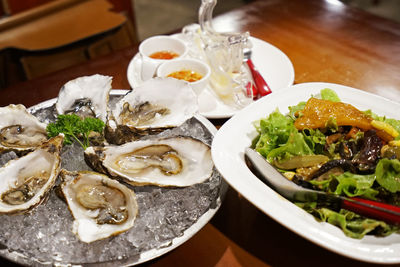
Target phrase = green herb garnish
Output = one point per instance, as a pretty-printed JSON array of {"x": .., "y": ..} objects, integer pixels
[{"x": 74, "y": 128}]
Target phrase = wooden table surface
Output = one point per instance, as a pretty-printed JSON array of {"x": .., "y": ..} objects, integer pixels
[{"x": 326, "y": 42}]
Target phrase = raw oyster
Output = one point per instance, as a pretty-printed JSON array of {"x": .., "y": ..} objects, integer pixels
[
  {"x": 155, "y": 105},
  {"x": 101, "y": 206},
  {"x": 20, "y": 130},
  {"x": 175, "y": 161},
  {"x": 85, "y": 96},
  {"x": 26, "y": 181}
]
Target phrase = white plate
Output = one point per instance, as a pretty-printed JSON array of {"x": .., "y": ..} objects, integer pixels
[
  {"x": 237, "y": 133},
  {"x": 272, "y": 63}
]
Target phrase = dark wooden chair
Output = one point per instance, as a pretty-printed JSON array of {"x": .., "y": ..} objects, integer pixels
[{"x": 61, "y": 33}]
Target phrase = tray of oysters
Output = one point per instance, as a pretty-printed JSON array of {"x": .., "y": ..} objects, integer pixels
[{"x": 139, "y": 189}]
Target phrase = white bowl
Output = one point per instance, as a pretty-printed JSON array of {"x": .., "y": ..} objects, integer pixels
[
  {"x": 195, "y": 65},
  {"x": 157, "y": 44},
  {"x": 238, "y": 133}
]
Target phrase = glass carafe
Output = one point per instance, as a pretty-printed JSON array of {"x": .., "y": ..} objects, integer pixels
[{"x": 223, "y": 51}]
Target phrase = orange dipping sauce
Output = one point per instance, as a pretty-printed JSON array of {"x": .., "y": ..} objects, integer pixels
[
  {"x": 164, "y": 55},
  {"x": 186, "y": 75}
]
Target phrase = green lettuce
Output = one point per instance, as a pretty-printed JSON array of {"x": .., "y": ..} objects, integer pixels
[
  {"x": 387, "y": 174},
  {"x": 329, "y": 94},
  {"x": 348, "y": 184},
  {"x": 315, "y": 139},
  {"x": 393, "y": 122},
  {"x": 295, "y": 146},
  {"x": 353, "y": 185},
  {"x": 352, "y": 224},
  {"x": 274, "y": 131},
  {"x": 296, "y": 109},
  {"x": 279, "y": 139},
  {"x": 322, "y": 185}
]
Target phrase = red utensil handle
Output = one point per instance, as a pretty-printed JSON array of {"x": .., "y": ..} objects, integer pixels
[
  {"x": 261, "y": 84},
  {"x": 251, "y": 90},
  {"x": 373, "y": 209}
]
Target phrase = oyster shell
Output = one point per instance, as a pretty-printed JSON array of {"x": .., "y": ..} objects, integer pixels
[
  {"x": 26, "y": 181},
  {"x": 100, "y": 206},
  {"x": 85, "y": 96},
  {"x": 20, "y": 130},
  {"x": 155, "y": 105},
  {"x": 175, "y": 161}
]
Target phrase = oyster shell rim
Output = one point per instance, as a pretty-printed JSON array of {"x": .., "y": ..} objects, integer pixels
[
  {"x": 106, "y": 166},
  {"x": 149, "y": 86},
  {"x": 33, "y": 119},
  {"x": 65, "y": 183},
  {"x": 64, "y": 92},
  {"x": 55, "y": 170}
]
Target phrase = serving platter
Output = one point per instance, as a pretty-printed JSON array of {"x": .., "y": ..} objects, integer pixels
[
  {"x": 272, "y": 63},
  {"x": 237, "y": 134},
  {"x": 167, "y": 216}
]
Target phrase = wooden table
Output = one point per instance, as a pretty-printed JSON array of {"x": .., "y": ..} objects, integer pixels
[{"x": 326, "y": 42}]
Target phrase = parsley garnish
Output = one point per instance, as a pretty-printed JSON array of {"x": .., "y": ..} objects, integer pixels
[{"x": 74, "y": 128}]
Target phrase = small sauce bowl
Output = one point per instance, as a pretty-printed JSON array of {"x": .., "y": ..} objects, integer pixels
[
  {"x": 189, "y": 67},
  {"x": 158, "y": 49}
]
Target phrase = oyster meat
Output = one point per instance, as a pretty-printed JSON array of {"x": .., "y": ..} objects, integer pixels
[
  {"x": 20, "y": 130},
  {"x": 26, "y": 181},
  {"x": 101, "y": 206},
  {"x": 85, "y": 96},
  {"x": 176, "y": 161},
  {"x": 155, "y": 105}
]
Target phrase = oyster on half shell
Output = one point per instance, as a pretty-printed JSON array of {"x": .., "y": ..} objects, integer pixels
[
  {"x": 155, "y": 105},
  {"x": 85, "y": 96},
  {"x": 101, "y": 206},
  {"x": 26, "y": 181},
  {"x": 176, "y": 161},
  {"x": 20, "y": 130}
]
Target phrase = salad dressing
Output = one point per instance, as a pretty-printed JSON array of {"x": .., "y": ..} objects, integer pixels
[
  {"x": 164, "y": 55},
  {"x": 186, "y": 75},
  {"x": 318, "y": 112}
]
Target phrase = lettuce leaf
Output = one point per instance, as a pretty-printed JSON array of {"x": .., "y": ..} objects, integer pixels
[
  {"x": 353, "y": 185},
  {"x": 315, "y": 139},
  {"x": 296, "y": 109},
  {"x": 348, "y": 184},
  {"x": 295, "y": 146},
  {"x": 387, "y": 174},
  {"x": 329, "y": 94},
  {"x": 274, "y": 131},
  {"x": 352, "y": 224},
  {"x": 322, "y": 185},
  {"x": 279, "y": 139},
  {"x": 393, "y": 122}
]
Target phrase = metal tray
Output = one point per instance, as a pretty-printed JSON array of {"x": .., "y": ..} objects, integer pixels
[{"x": 167, "y": 216}]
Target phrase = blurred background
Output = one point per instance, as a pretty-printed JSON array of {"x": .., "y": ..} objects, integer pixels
[
  {"x": 151, "y": 21},
  {"x": 38, "y": 37}
]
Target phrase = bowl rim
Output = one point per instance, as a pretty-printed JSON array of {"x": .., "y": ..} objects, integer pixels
[{"x": 142, "y": 49}]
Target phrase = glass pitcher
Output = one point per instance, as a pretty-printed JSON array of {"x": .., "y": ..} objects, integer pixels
[{"x": 224, "y": 53}]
